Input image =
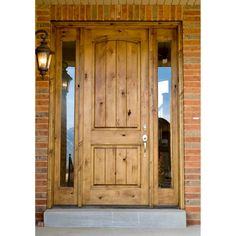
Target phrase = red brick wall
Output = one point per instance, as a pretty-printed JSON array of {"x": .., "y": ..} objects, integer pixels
[
  {"x": 190, "y": 16},
  {"x": 41, "y": 122},
  {"x": 191, "y": 52}
]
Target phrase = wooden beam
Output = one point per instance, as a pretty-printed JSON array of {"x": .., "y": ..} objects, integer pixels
[
  {"x": 152, "y": 70},
  {"x": 51, "y": 124},
  {"x": 181, "y": 118}
]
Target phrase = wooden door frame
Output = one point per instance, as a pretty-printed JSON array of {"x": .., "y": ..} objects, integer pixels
[{"x": 78, "y": 149}]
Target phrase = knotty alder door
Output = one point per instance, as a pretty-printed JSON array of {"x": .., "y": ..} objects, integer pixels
[
  {"x": 115, "y": 164},
  {"x": 124, "y": 84}
]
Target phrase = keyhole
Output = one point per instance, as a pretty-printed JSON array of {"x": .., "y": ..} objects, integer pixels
[{"x": 129, "y": 112}]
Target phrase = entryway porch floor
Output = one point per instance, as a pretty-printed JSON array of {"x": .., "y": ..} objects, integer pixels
[
  {"x": 54, "y": 231},
  {"x": 115, "y": 218}
]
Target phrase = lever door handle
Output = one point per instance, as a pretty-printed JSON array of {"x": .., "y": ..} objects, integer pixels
[
  {"x": 144, "y": 146},
  {"x": 145, "y": 138}
]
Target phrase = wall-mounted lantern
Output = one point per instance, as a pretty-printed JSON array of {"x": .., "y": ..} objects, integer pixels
[{"x": 43, "y": 53}]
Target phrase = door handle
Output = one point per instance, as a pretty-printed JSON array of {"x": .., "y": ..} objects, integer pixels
[{"x": 145, "y": 139}]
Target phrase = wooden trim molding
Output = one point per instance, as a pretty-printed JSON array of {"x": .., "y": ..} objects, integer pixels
[
  {"x": 181, "y": 116},
  {"x": 51, "y": 124}
]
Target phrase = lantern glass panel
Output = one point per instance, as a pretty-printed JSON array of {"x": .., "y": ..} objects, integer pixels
[
  {"x": 42, "y": 60},
  {"x": 49, "y": 60}
]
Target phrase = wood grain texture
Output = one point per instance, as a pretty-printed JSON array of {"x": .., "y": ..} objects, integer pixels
[
  {"x": 116, "y": 166},
  {"x": 121, "y": 84},
  {"x": 58, "y": 57},
  {"x": 110, "y": 2},
  {"x": 111, "y": 84},
  {"x": 132, "y": 169},
  {"x": 114, "y": 169},
  {"x": 87, "y": 101},
  {"x": 100, "y": 84},
  {"x": 51, "y": 135},
  {"x": 152, "y": 114},
  {"x": 117, "y": 84},
  {"x": 110, "y": 166},
  {"x": 175, "y": 118},
  {"x": 181, "y": 118},
  {"x": 99, "y": 166},
  {"x": 77, "y": 123},
  {"x": 121, "y": 165},
  {"x": 133, "y": 68},
  {"x": 80, "y": 97}
]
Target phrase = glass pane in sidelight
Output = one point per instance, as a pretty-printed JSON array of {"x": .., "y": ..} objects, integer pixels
[
  {"x": 67, "y": 114},
  {"x": 164, "y": 114}
]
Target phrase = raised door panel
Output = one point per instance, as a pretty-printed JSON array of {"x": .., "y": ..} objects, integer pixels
[
  {"x": 116, "y": 166},
  {"x": 116, "y": 84},
  {"x": 100, "y": 85}
]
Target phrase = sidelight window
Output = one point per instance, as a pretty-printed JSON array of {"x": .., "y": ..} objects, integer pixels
[
  {"x": 67, "y": 114},
  {"x": 164, "y": 114}
]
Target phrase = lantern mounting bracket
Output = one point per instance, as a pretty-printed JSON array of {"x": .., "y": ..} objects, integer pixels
[{"x": 43, "y": 36}]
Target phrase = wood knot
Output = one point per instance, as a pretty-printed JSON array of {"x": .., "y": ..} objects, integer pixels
[{"x": 129, "y": 112}]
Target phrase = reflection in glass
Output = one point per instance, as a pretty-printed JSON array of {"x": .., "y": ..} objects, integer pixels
[
  {"x": 164, "y": 114},
  {"x": 67, "y": 115}
]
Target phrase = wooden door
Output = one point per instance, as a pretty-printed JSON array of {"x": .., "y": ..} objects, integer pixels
[
  {"x": 115, "y": 167},
  {"x": 116, "y": 95}
]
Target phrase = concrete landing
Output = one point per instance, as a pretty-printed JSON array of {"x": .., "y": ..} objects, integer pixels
[
  {"x": 46, "y": 231},
  {"x": 115, "y": 218}
]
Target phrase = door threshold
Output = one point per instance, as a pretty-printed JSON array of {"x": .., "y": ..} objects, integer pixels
[{"x": 114, "y": 207}]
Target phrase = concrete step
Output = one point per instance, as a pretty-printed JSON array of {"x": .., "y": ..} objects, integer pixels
[{"x": 112, "y": 217}]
